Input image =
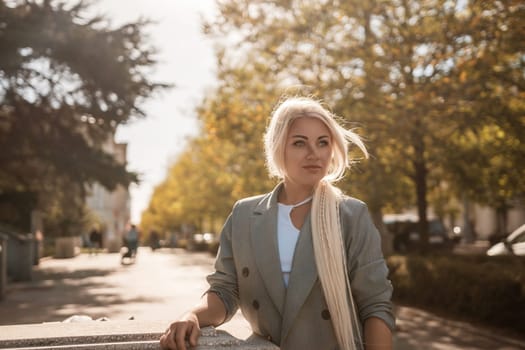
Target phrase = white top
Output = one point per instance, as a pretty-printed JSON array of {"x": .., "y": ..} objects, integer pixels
[{"x": 287, "y": 236}]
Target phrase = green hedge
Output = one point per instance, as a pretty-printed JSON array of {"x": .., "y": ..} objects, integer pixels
[{"x": 489, "y": 290}]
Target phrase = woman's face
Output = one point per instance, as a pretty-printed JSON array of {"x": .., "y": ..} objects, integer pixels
[{"x": 307, "y": 152}]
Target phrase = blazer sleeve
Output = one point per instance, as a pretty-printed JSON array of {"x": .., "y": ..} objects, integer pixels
[
  {"x": 368, "y": 272},
  {"x": 223, "y": 281}
]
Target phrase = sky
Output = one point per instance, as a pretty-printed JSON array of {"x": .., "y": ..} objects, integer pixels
[{"x": 187, "y": 60}]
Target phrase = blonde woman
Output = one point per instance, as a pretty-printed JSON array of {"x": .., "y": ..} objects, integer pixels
[{"x": 303, "y": 262}]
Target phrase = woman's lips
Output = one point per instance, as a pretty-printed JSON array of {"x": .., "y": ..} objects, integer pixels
[{"x": 312, "y": 168}]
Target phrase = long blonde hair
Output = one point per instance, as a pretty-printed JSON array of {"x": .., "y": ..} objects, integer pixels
[
  {"x": 330, "y": 259},
  {"x": 327, "y": 238}
]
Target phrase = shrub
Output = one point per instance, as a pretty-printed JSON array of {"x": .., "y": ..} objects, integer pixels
[{"x": 490, "y": 290}]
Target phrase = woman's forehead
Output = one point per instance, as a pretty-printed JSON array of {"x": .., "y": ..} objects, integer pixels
[{"x": 309, "y": 125}]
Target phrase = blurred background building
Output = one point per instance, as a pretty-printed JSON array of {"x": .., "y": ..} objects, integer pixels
[{"x": 111, "y": 208}]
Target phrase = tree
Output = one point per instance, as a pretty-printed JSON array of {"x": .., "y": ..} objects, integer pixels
[
  {"x": 494, "y": 177},
  {"x": 489, "y": 99},
  {"x": 415, "y": 78},
  {"x": 396, "y": 68},
  {"x": 67, "y": 81},
  {"x": 226, "y": 161}
]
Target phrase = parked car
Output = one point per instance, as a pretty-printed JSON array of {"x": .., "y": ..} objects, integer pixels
[
  {"x": 201, "y": 241},
  {"x": 513, "y": 244},
  {"x": 407, "y": 236}
]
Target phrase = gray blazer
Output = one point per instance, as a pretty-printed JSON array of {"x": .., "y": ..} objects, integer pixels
[{"x": 248, "y": 274}]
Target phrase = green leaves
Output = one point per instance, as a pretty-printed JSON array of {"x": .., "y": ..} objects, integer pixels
[
  {"x": 225, "y": 163},
  {"x": 67, "y": 81},
  {"x": 422, "y": 81}
]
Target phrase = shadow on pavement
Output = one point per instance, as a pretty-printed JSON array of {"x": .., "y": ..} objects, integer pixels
[
  {"x": 416, "y": 327},
  {"x": 55, "y": 294}
]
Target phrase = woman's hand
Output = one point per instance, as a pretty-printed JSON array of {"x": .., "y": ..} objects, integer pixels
[
  {"x": 175, "y": 336},
  {"x": 209, "y": 312}
]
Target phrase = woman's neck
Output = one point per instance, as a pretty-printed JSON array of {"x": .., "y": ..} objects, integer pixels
[{"x": 292, "y": 194}]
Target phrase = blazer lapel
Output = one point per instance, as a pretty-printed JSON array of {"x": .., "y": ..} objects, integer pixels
[
  {"x": 302, "y": 277},
  {"x": 265, "y": 248}
]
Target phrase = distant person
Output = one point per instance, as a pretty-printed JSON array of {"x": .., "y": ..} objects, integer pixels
[
  {"x": 173, "y": 240},
  {"x": 132, "y": 241},
  {"x": 39, "y": 247},
  {"x": 303, "y": 262},
  {"x": 95, "y": 240},
  {"x": 154, "y": 240}
]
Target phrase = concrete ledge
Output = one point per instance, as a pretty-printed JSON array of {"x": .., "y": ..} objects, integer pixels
[{"x": 113, "y": 335}]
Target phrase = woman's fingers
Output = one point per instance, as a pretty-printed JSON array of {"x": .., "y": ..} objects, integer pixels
[
  {"x": 164, "y": 341},
  {"x": 180, "y": 336},
  {"x": 175, "y": 336},
  {"x": 194, "y": 334},
  {"x": 167, "y": 341}
]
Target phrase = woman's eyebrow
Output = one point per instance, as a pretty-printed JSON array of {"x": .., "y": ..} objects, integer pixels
[{"x": 306, "y": 137}]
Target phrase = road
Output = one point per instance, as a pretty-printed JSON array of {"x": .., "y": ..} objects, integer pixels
[{"x": 162, "y": 285}]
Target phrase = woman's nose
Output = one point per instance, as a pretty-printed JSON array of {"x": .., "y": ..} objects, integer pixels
[{"x": 312, "y": 153}]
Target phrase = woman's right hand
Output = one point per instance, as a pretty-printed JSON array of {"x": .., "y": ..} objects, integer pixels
[{"x": 175, "y": 336}]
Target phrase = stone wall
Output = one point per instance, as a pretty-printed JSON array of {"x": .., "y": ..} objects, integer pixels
[{"x": 113, "y": 335}]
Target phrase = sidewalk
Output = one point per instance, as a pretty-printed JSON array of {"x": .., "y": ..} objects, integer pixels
[
  {"x": 160, "y": 286},
  {"x": 418, "y": 329}
]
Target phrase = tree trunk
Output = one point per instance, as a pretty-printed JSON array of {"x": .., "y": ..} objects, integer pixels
[
  {"x": 501, "y": 214},
  {"x": 386, "y": 238},
  {"x": 420, "y": 178}
]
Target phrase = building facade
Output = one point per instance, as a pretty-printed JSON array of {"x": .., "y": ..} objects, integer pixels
[{"x": 112, "y": 208}]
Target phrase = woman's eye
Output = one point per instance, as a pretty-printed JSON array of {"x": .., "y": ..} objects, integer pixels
[
  {"x": 323, "y": 143},
  {"x": 298, "y": 143}
]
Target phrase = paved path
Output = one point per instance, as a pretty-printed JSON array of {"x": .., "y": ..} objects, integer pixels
[{"x": 162, "y": 285}]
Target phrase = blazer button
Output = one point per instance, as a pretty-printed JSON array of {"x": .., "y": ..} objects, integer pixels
[
  {"x": 325, "y": 314},
  {"x": 245, "y": 272},
  {"x": 269, "y": 338},
  {"x": 255, "y": 305}
]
